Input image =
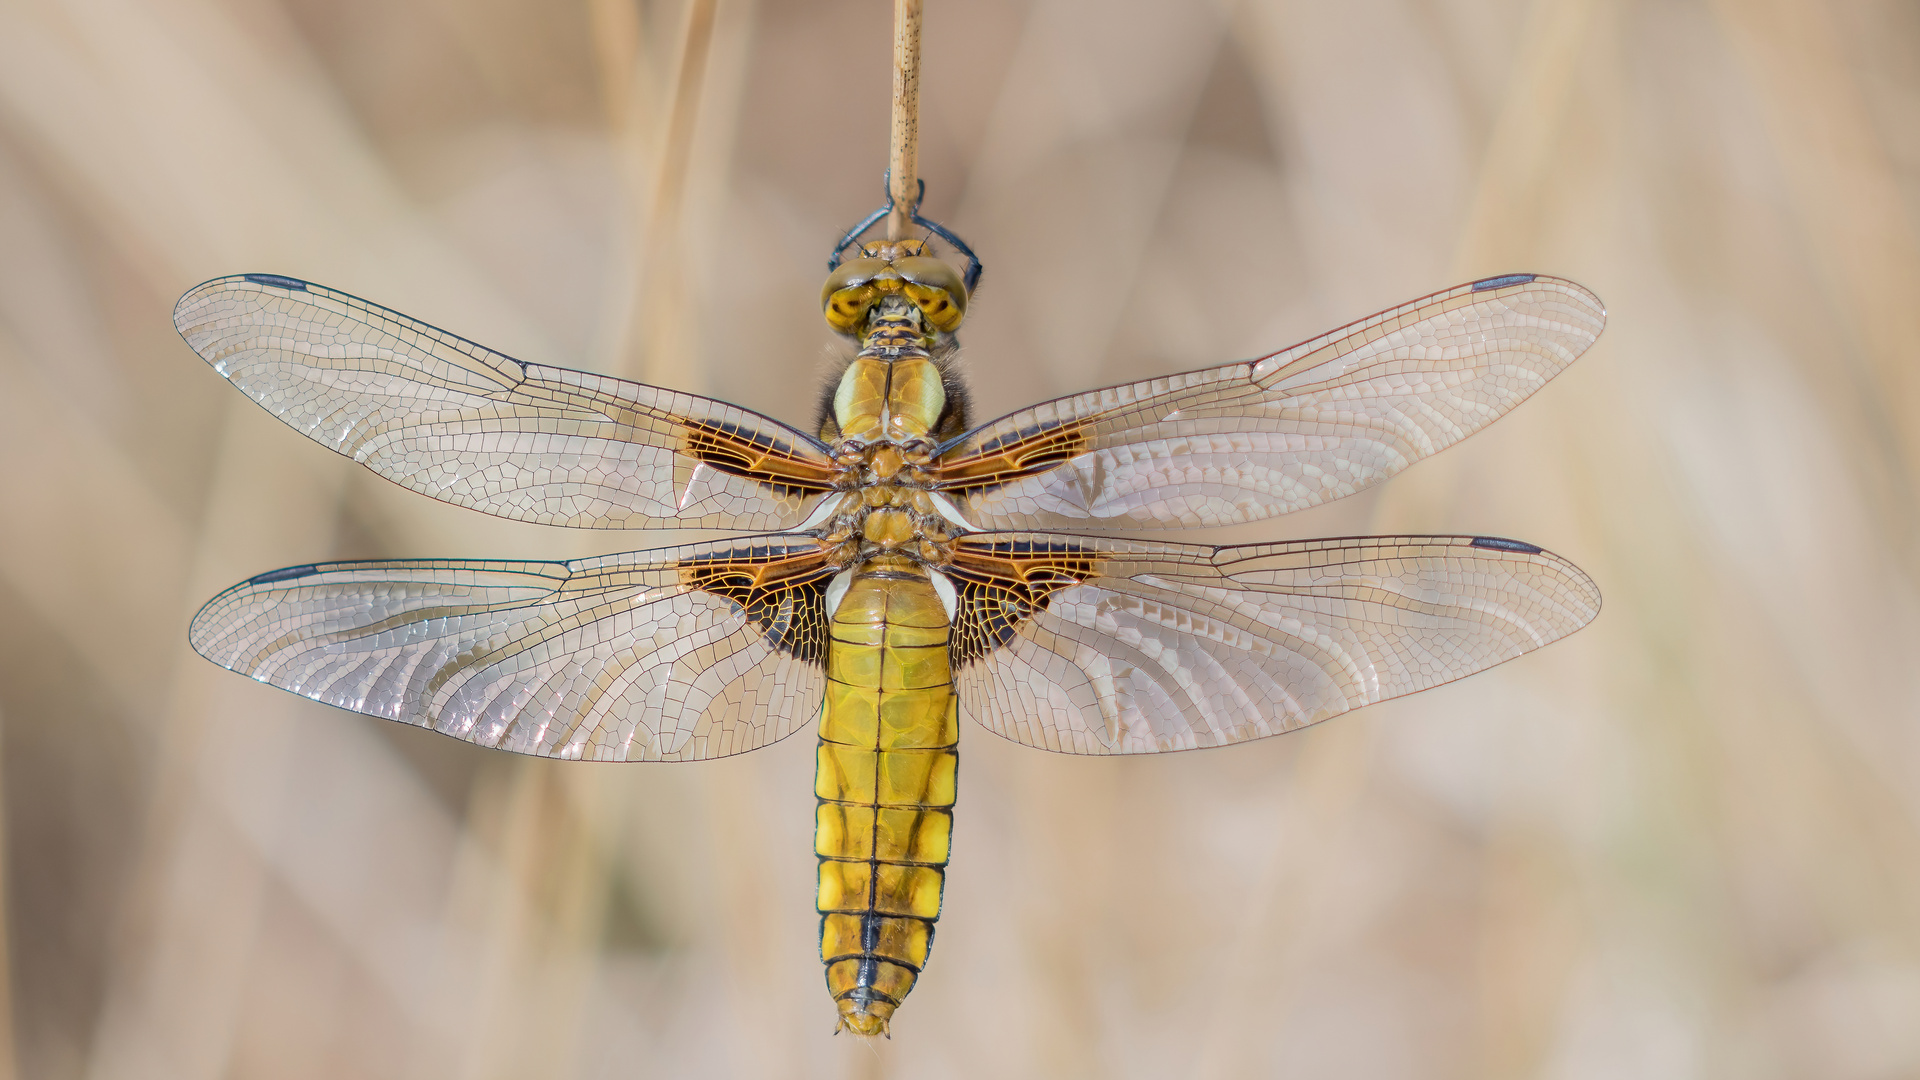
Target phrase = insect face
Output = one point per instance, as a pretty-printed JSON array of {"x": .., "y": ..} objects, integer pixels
[{"x": 901, "y": 268}]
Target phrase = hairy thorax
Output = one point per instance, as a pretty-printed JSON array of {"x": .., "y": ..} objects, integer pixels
[{"x": 892, "y": 406}]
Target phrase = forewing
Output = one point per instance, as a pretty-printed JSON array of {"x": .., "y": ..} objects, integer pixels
[
  {"x": 1251, "y": 440},
  {"x": 669, "y": 655},
  {"x": 450, "y": 419},
  {"x": 1095, "y": 646}
]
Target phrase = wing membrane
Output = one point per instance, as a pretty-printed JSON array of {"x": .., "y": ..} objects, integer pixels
[
  {"x": 676, "y": 654},
  {"x": 1317, "y": 422},
  {"x": 1098, "y": 646},
  {"x": 447, "y": 418}
]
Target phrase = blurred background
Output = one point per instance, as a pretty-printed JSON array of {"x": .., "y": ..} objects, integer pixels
[{"x": 1683, "y": 843}]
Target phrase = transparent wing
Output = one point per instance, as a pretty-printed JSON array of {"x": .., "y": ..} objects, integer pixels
[
  {"x": 450, "y": 419},
  {"x": 1096, "y": 646},
  {"x": 1247, "y": 441},
  {"x": 669, "y": 655}
]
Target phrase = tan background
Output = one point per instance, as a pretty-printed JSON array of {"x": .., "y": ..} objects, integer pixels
[{"x": 1684, "y": 843}]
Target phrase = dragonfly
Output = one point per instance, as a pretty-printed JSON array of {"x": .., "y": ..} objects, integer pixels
[{"x": 897, "y": 564}]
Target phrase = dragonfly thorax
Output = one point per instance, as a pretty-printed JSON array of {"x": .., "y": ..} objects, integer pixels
[
  {"x": 897, "y": 515},
  {"x": 890, "y": 409},
  {"x": 888, "y": 400}
]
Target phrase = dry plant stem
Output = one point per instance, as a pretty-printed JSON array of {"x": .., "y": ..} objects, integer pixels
[
  {"x": 8, "y": 1058},
  {"x": 903, "y": 162},
  {"x": 685, "y": 108},
  {"x": 651, "y": 343}
]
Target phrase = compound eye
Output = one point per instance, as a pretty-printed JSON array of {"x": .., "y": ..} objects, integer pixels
[
  {"x": 935, "y": 288},
  {"x": 851, "y": 272},
  {"x": 847, "y": 294},
  {"x": 846, "y": 310}
]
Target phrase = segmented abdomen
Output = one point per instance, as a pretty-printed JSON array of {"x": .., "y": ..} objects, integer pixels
[{"x": 887, "y": 759}]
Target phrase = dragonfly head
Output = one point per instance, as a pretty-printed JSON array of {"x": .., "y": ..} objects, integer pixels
[{"x": 888, "y": 267}]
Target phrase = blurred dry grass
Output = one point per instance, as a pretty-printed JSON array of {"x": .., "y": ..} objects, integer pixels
[{"x": 1684, "y": 843}]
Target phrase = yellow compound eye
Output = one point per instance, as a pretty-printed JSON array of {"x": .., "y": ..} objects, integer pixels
[
  {"x": 936, "y": 306},
  {"x": 935, "y": 288},
  {"x": 846, "y": 309},
  {"x": 848, "y": 293}
]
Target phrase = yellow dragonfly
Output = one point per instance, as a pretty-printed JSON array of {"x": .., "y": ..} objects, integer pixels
[{"x": 894, "y": 578}]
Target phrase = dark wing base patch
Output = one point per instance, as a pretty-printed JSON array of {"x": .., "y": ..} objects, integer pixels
[
  {"x": 784, "y": 597},
  {"x": 1001, "y": 586}
]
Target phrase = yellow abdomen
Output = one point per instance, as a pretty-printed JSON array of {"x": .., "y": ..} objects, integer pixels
[{"x": 888, "y": 737}]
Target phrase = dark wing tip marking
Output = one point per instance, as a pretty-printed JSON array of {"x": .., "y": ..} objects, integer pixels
[
  {"x": 1502, "y": 282},
  {"x": 278, "y": 282},
  {"x": 287, "y": 573},
  {"x": 1499, "y": 543}
]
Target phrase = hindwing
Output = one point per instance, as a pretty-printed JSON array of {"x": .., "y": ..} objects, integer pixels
[
  {"x": 1089, "y": 645},
  {"x": 675, "y": 654}
]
